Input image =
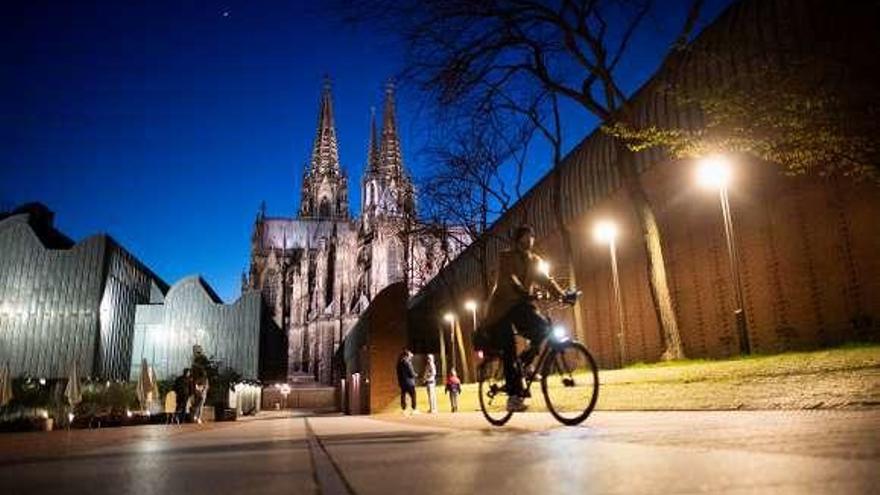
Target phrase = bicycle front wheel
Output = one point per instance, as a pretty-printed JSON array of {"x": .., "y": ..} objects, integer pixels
[
  {"x": 493, "y": 395},
  {"x": 570, "y": 383}
]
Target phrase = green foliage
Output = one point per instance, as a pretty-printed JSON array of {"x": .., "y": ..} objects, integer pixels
[
  {"x": 107, "y": 398},
  {"x": 28, "y": 392},
  {"x": 811, "y": 117}
]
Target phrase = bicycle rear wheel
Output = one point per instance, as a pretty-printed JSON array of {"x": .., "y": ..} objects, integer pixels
[
  {"x": 493, "y": 394},
  {"x": 570, "y": 383}
]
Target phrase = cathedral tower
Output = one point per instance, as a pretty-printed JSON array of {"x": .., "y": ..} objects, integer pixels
[
  {"x": 387, "y": 191},
  {"x": 325, "y": 186}
]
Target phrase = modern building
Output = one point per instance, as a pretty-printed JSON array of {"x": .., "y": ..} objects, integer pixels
[
  {"x": 63, "y": 301},
  {"x": 319, "y": 270},
  {"x": 192, "y": 315}
]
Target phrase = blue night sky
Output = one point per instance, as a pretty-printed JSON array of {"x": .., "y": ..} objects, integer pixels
[{"x": 165, "y": 124}]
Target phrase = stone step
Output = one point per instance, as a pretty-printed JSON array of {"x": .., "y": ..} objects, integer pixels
[{"x": 301, "y": 380}]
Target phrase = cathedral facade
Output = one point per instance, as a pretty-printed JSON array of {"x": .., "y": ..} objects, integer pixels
[{"x": 319, "y": 270}]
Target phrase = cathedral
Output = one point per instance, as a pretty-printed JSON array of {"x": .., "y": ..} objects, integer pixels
[{"x": 319, "y": 270}]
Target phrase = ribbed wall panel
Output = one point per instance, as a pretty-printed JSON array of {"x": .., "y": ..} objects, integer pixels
[
  {"x": 51, "y": 303},
  {"x": 165, "y": 334},
  {"x": 48, "y": 302}
]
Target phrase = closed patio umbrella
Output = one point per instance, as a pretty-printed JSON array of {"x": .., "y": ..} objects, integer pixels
[
  {"x": 5, "y": 385},
  {"x": 145, "y": 386},
  {"x": 73, "y": 391},
  {"x": 155, "y": 382}
]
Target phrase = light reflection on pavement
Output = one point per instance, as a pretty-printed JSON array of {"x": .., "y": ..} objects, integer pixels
[{"x": 671, "y": 452}]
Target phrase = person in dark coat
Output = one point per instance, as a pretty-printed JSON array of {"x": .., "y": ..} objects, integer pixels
[
  {"x": 183, "y": 390},
  {"x": 406, "y": 380}
]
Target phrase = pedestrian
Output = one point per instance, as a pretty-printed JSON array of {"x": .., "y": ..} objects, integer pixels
[
  {"x": 453, "y": 388},
  {"x": 183, "y": 390},
  {"x": 200, "y": 393},
  {"x": 406, "y": 380},
  {"x": 430, "y": 379}
]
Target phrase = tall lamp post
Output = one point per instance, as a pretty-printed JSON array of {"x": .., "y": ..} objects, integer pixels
[
  {"x": 714, "y": 172},
  {"x": 450, "y": 318},
  {"x": 606, "y": 233},
  {"x": 471, "y": 306}
]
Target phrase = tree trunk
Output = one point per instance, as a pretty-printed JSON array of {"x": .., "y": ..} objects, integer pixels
[
  {"x": 567, "y": 254},
  {"x": 656, "y": 265}
]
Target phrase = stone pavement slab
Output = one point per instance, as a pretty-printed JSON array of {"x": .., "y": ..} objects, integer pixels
[{"x": 615, "y": 453}]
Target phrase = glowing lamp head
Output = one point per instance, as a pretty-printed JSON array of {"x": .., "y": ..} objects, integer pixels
[
  {"x": 560, "y": 333},
  {"x": 544, "y": 268},
  {"x": 713, "y": 172},
  {"x": 470, "y": 305},
  {"x": 605, "y": 231},
  {"x": 449, "y": 317},
  {"x": 480, "y": 355}
]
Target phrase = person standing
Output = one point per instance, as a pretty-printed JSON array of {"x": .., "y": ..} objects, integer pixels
[
  {"x": 453, "y": 388},
  {"x": 406, "y": 380},
  {"x": 430, "y": 379},
  {"x": 200, "y": 388},
  {"x": 182, "y": 389}
]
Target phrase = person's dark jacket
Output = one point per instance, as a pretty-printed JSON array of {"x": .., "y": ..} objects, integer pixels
[
  {"x": 182, "y": 387},
  {"x": 406, "y": 375}
]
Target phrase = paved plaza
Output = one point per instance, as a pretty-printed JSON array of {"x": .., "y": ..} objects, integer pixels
[{"x": 653, "y": 452}]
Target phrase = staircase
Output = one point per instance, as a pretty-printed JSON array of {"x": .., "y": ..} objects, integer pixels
[{"x": 305, "y": 395}]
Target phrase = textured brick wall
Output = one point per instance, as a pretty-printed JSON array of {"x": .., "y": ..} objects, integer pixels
[{"x": 809, "y": 264}]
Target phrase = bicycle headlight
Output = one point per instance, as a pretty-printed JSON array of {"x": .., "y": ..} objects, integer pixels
[
  {"x": 559, "y": 333},
  {"x": 544, "y": 268}
]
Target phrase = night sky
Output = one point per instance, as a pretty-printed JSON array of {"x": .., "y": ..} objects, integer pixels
[{"x": 165, "y": 124}]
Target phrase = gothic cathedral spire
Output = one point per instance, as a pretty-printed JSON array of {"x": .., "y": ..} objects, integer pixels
[
  {"x": 387, "y": 191},
  {"x": 373, "y": 154},
  {"x": 325, "y": 186},
  {"x": 325, "y": 154},
  {"x": 389, "y": 150}
]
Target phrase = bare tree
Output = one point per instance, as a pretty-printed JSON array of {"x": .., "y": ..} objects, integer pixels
[
  {"x": 570, "y": 48},
  {"x": 477, "y": 175}
]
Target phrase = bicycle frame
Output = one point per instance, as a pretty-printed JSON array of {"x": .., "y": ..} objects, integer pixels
[{"x": 545, "y": 348}]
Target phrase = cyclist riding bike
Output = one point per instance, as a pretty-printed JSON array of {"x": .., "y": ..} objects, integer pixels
[{"x": 520, "y": 272}]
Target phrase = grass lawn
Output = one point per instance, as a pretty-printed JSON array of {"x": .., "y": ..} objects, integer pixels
[{"x": 843, "y": 377}]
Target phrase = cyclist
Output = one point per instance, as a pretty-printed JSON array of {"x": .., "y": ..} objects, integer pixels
[{"x": 512, "y": 304}]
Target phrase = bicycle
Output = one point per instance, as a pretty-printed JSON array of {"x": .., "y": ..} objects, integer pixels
[{"x": 567, "y": 371}]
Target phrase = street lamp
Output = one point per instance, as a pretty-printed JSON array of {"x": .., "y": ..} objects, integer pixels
[
  {"x": 450, "y": 318},
  {"x": 471, "y": 306},
  {"x": 605, "y": 232},
  {"x": 713, "y": 172}
]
